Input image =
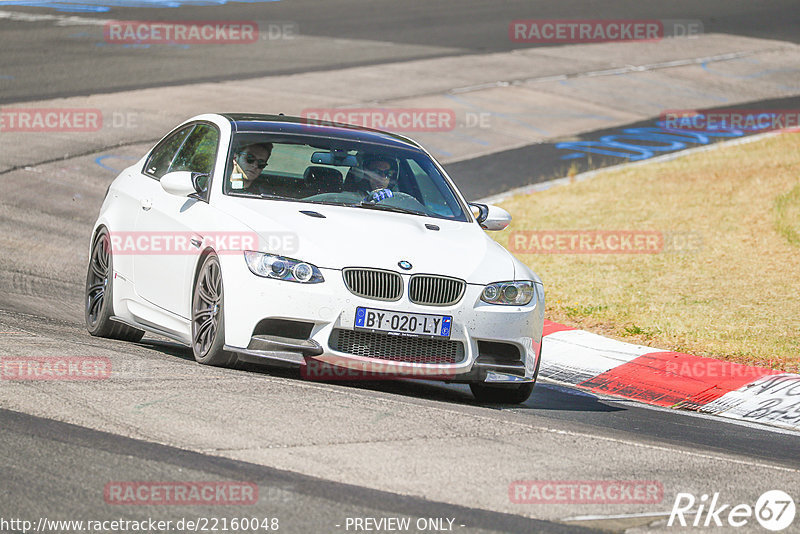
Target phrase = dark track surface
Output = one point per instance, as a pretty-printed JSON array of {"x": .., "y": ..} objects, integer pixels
[
  {"x": 42, "y": 60},
  {"x": 58, "y": 470},
  {"x": 541, "y": 162}
]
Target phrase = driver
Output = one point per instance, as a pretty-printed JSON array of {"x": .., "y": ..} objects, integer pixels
[
  {"x": 381, "y": 174},
  {"x": 248, "y": 163}
]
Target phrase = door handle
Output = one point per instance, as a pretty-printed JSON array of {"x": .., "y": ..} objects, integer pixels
[{"x": 146, "y": 204}]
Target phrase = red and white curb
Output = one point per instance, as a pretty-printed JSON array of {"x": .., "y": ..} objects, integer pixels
[
  {"x": 660, "y": 377},
  {"x": 670, "y": 379}
]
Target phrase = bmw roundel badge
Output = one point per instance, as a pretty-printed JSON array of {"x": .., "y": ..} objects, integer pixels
[{"x": 404, "y": 265}]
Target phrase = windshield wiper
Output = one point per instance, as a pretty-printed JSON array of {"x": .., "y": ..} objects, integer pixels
[
  {"x": 384, "y": 207},
  {"x": 324, "y": 202},
  {"x": 363, "y": 204},
  {"x": 248, "y": 194}
]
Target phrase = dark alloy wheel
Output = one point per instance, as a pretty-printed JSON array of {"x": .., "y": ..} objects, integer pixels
[{"x": 208, "y": 325}]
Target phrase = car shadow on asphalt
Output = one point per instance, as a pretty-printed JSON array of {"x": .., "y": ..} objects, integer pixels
[
  {"x": 560, "y": 398},
  {"x": 173, "y": 348},
  {"x": 545, "y": 396}
]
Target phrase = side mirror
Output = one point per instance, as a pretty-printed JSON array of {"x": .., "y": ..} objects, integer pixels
[
  {"x": 490, "y": 218},
  {"x": 184, "y": 183}
]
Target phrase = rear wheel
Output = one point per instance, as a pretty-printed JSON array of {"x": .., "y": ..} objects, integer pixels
[
  {"x": 208, "y": 324},
  {"x": 98, "y": 298},
  {"x": 501, "y": 395}
]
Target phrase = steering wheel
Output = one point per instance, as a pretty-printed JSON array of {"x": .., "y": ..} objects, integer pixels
[
  {"x": 399, "y": 195},
  {"x": 378, "y": 195}
]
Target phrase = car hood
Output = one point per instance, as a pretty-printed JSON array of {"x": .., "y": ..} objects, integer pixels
[{"x": 339, "y": 236}]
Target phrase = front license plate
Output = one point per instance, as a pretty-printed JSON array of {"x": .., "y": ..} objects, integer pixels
[{"x": 411, "y": 324}]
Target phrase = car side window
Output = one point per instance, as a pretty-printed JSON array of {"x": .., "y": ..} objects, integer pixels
[
  {"x": 161, "y": 158},
  {"x": 199, "y": 152}
]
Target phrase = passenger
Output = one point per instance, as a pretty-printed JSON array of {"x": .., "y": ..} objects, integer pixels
[{"x": 248, "y": 163}]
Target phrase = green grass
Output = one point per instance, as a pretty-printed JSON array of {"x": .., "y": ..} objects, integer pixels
[
  {"x": 734, "y": 294},
  {"x": 787, "y": 215}
]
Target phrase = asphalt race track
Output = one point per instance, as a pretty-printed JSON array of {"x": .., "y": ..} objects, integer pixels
[
  {"x": 322, "y": 454},
  {"x": 412, "y": 30}
]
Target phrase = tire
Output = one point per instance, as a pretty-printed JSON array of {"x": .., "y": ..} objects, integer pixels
[
  {"x": 501, "y": 395},
  {"x": 506, "y": 394},
  {"x": 208, "y": 319},
  {"x": 98, "y": 297}
]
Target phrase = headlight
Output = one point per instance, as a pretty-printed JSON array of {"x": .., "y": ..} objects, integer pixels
[
  {"x": 509, "y": 293},
  {"x": 280, "y": 268}
]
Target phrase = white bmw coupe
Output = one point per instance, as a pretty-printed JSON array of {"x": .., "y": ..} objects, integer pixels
[{"x": 346, "y": 251}]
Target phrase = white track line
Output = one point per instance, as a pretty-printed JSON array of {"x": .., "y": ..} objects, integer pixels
[
  {"x": 615, "y": 516},
  {"x": 572, "y": 389},
  {"x": 59, "y": 20}
]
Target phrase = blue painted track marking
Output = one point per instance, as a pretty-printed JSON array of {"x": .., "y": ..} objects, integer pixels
[
  {"x": 100, "y": 161},
  {"x": 103, "y": 6},
  {"x": 654, "y": 140}
]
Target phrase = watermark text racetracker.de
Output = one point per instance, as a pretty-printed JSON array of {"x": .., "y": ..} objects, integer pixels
[
  {"x": 47, "y": 368},
  {"x": 331, "y": 368},
  {"x": 585, "y": 492},
  {"x": 196, "y": 32},
  {"x": 183, "y": 243},
  {"x": 50, "y": 120},
  {"x": 170, "y": 493},
  {"x": 72, "y": 120},
  {"x": 600, "y": 30},
  {"x": 392, "y": 119},
  {"x": 701, "y": 369},
  {"x": 604, "y": 242},
  {"x": 747, "y": 120}
]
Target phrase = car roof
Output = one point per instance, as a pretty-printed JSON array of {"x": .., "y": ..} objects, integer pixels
[{"x": 249, "y": 122}]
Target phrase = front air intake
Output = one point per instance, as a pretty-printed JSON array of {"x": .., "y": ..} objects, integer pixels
[{"x": 397, "y": 348}]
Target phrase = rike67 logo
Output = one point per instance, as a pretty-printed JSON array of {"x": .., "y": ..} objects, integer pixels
[{"x": 774, "y": 510}]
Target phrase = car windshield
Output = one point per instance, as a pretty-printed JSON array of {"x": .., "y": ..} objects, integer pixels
[{"x": 340, "y": 172}]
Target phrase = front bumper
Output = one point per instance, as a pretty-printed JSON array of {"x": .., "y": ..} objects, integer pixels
[{"x": 330, "y": 307}]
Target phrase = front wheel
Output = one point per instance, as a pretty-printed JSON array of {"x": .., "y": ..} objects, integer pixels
[
  {"x": 501, "y": 395},
  {"x": 208, "y": 324}
]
